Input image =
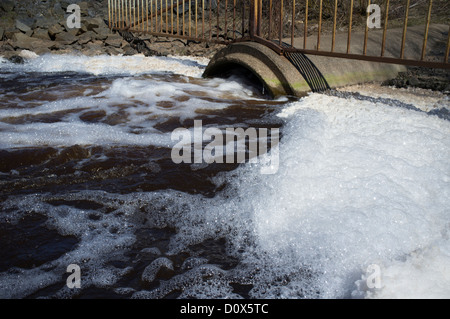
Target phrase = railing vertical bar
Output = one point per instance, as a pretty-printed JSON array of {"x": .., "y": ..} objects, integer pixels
[
  {"x": 156, "y": 14},
  {"x": 121, "y": 14},
  {"x": 270, "y": 19},
  {"x": 146, "y": 10},
  {"x": 293, "y": 23},
  {"x": 134, "y": 14},
  {"x": 333, "y": 37},
  {"x": 253, "y": 16},
  {"x": 203, "y": 19},
  {"x": 259, "y": 32},
  {"x": 210, "y": 20},
  {"x": 243, "y": 17},
  {"x": 305, "y": 31},
  {"x": 366, "y": 31},
  {"x": 405, "y": 26},
  {"x": 184, "y": 18},
  {"x": 234, "y": 20},
  {"x": 124, "y": 14},
  {"x": 178, "y": 17},
  {"x": 127, "y": 24},
  {"x": 189, "y": 18},
  {"x": 109, "y": 13},
  {"x": 218, "y": 20},
  {"x": 226, "y": 21},
  {"x": 171, "y": 17},
  {"x": 161, "y": 16},
  {"x": 166, "y": 9},
  {"x": 447, "y": 51},
  {"x": 319, "y": 29},
  {"x": 142, "y": 19},
  {"x": 281, "y": 22},
  {"x": 142, "y": 8},
  {"x": 196, "y": 18},
  {"x": 129, "y": 12},
  {"x": 114, "y": 13},
  {"x": 383, "y": 44},
  {"x": 349, "y": 37},
  {"x": 425, "y": 38},
  {"x": 113, "y": 16},
  {"x": 143, "y": 15},
  {"x": 138, "y": 9}
]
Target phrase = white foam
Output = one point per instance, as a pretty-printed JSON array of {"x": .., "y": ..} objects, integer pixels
[
  {"x": 63, "y": 134},
  {"x": 136, "y": 104},
  {"x": 100, "y": 240},
  {"x": 359, "y": 183},
  {"x": 110, "y": 65},
  {"x": 423, "y": 274}
]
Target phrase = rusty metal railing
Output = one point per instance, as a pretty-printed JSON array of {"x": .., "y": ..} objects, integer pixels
[{"x": 335, "y": 28}]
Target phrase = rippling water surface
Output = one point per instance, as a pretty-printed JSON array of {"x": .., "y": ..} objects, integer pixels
[{"x": 86, "y": 178}]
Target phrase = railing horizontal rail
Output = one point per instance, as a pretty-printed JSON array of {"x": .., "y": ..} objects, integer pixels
[{"x": 396, "y": 31}]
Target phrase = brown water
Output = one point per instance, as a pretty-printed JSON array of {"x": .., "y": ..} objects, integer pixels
[
  {"x": 87, "y": 178},
  {"x": 70, "y": 138}
]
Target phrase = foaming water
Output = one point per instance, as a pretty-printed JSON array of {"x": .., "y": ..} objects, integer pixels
[
  {"x": 106, "y": 100},
  {"x": 361, "y": 182},
  {"x": 110, "y": 65}
]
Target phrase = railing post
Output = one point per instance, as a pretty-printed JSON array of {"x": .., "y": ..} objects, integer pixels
[{"x": 255, "y": 15}]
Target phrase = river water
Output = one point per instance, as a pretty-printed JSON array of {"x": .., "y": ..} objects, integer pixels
[{"x": 357, "y": 207}]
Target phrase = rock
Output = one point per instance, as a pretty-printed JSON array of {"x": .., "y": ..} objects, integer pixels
[
  {"x": 41, "y": 34},
  {"x": 86, "y": 37},
  {"x": 16, "y": 59},
  {"x": 102, "y": 33},
  {"x": 9, "y": 34},
  {"x": 7, "y": 5},
  {"x": 54, "y": 30},
  {"x": 84, "y": 7},
  {"x": 75, "y": 32},
  {"x": 2, "y": 32},
  {"x": 22, "y": 26},
  {"x": 43, "y": 22},
  {"x": 114, "y": 41},
  {"x": 58, "y": 10},
  {"x": 113, "y": 51},
  {"x": 92, "y": 49},
  {"x": 93, "y": 23},
  {"x": 128, "y": 50},
  {"x": 22, "y": 41},
  {"x": 66, "y": 38},
  {"x": 83, "y": 28},
  {"x": 413, "y": 81},
  {"x": 65, "y": 3}
]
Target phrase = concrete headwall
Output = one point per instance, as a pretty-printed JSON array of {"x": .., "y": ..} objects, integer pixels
[{"x": 281, "y": 77}]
